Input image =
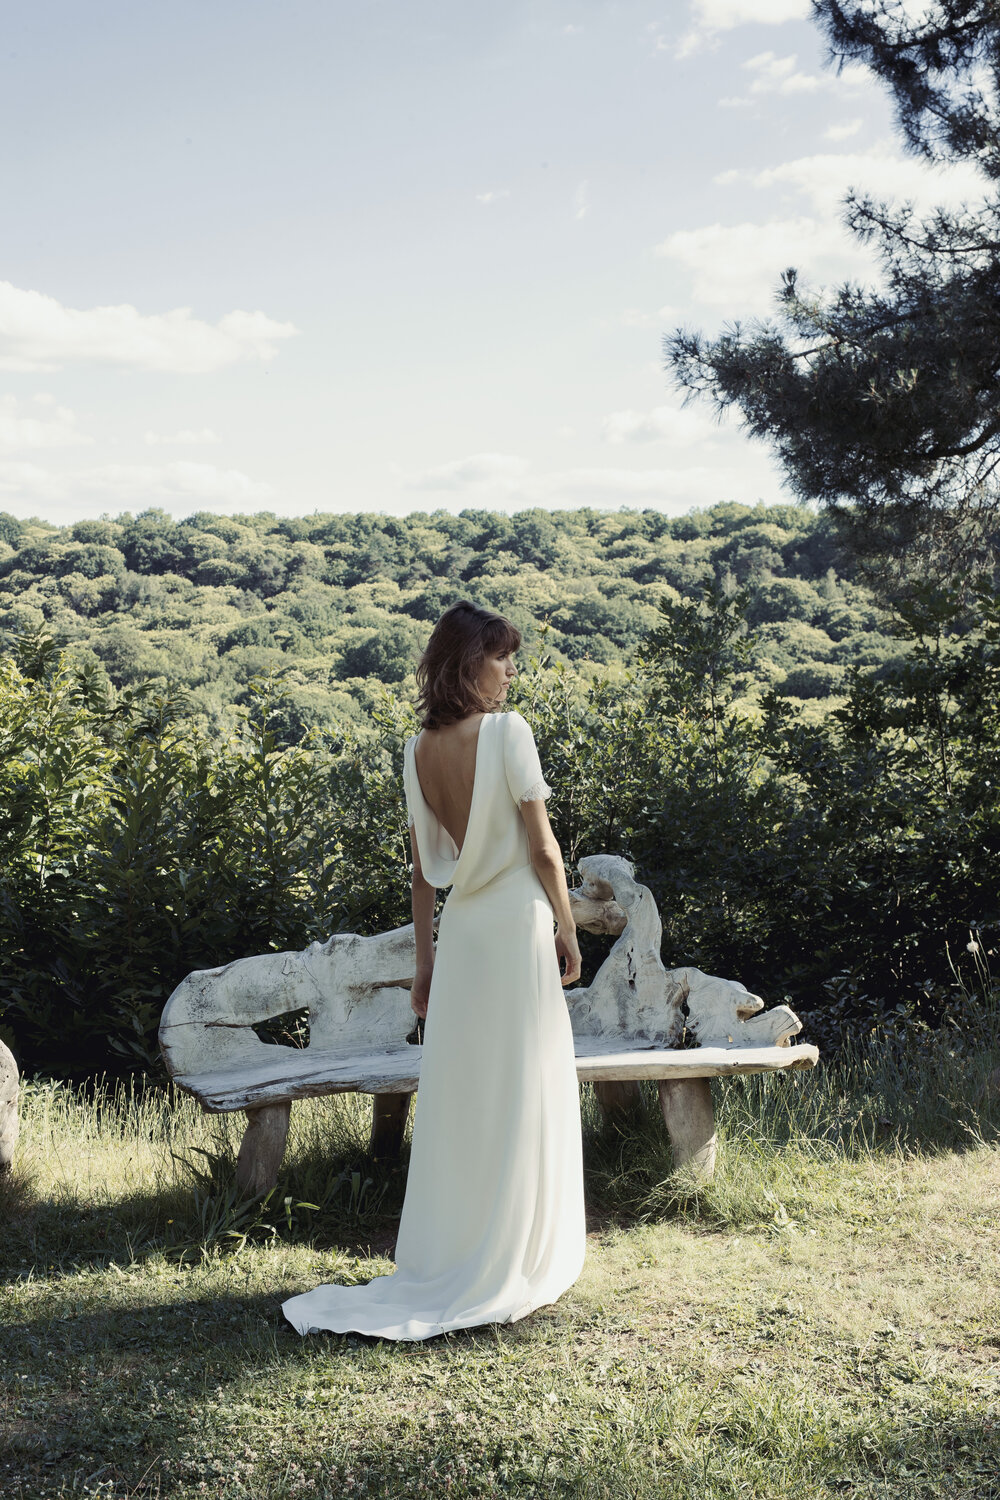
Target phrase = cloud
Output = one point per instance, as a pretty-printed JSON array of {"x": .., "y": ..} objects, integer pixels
[
  {"x": 185, "y": 438},
  {"x": 130, "y": 485},
  {"x": 513, "y": 485},
  {"x": 479, "y": 469},
  {"x": 710, "y": 17},
  {"x": 20, "y": 429},
  {"x": 740, "y": 265},
  {"x": 681, "y": 427},
  {"x": 493, "y": 195},
  {"x": 723, "y": 15},
  {"x": 39, "y": 333},
  {"x": 779, "y": 75},
  {"x": 581, "y": 201},
  {"x": 824, "y": 178},
  {"x": 676, "y": 489},
  {"x": 635, "y": 317},
  {"x": 843, "y": 131}
]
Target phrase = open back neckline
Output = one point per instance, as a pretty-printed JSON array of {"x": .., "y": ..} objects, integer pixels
[{"x": 475, "y": 782}]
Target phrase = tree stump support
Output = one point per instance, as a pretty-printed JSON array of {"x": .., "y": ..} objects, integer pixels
[
  {"x": 389, "y": 1116},
  {"x": 9, "y": 1123},
  {"x": 690, "y": 1120},
  {"x": 263, "y": 1148},
  {"x": 619, "y": 1099}
]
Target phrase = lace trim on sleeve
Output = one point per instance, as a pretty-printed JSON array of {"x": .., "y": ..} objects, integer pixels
[{"x": 537, "y": 792}]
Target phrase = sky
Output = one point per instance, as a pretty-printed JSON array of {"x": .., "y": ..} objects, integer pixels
[{"x": 409, "y": 255}]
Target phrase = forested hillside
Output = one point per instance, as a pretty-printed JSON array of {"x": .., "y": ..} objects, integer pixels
[{"x": 337, "y": 604}]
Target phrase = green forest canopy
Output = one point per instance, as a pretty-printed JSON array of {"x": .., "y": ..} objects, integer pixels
[{"x": 337, "y": 604}]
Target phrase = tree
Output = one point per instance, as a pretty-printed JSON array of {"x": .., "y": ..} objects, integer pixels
[{"x": 882, "y": 403}]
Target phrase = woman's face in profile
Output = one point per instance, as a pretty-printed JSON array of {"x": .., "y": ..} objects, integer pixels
[{"x": 495, "y": 676}]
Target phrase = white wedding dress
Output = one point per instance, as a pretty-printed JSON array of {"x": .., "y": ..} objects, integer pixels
[{"x": 492, "y": 1224}]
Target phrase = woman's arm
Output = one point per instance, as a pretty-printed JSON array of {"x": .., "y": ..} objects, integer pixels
[
  {"x": 422, "y": 896},
  {"x": 546, "y": 857}
]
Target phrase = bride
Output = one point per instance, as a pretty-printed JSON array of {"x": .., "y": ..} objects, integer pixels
[{"x": 492, "y": 1224}]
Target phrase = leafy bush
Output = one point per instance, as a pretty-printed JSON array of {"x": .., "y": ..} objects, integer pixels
[
  {"x": 135, "y": 850},
  {"x": 840, "y": 861}
]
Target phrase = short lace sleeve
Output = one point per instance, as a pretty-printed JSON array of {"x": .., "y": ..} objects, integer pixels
[
  {"x": 536, "y": 792},
  {"x": 521, "y": 763}
]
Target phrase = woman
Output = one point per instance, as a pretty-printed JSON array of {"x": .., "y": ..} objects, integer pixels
[{"x": 492, "y": 1224}]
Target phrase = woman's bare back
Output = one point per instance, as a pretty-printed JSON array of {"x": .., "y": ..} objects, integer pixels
[{"x": 445, "y": 761}]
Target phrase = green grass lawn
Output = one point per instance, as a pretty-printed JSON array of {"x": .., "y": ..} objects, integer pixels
[{"x": 822, "y": 1321}]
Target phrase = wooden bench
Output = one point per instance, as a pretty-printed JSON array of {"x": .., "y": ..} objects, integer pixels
[{"x": 636, "y": 1020}]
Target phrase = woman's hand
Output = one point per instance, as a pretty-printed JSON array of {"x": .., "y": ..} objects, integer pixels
[
  {"x": 420, "y": 991},
  {"x": 568, "y": 948}
]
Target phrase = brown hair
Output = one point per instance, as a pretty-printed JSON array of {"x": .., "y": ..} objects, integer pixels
[{"x": 447, "y": 670}]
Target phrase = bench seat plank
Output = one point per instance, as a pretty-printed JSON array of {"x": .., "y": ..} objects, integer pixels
[
  {"x": 304, "y": 1074},
  {"x": 627, "y": 1025}
]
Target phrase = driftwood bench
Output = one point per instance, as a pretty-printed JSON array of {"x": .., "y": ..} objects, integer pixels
[{"x": 636, "y": 1020}]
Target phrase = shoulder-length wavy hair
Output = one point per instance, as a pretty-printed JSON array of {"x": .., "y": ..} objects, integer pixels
[{"x": 451, "y": 661}]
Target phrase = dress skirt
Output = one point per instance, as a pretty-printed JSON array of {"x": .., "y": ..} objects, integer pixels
[{"x": 493, "y": 1223}]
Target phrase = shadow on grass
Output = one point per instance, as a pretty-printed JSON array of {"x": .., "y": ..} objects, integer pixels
[
  {"x": 140, "y": 1395},
  {"x": 168, "y": 1397}
]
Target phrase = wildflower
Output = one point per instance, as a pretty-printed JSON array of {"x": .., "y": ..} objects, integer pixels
[{"x": 972, "y": 947}]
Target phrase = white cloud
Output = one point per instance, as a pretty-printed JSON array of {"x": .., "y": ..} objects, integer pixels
[
  {"x": 824, "y": 178},
  {"x": 479, "y": 469},
  {"x": 677, "y": 489},
  {"x": 514, "y": 485},
  {"x": 843, "y": 131},
  {"x": 39, "y": 333},
  {"x": 185, "y": 438},
  {"x": 492, "y": 195},
  {"x": 581, "y": 201},
  {"x": 27, "y": 481},
  {"x": 723, "y": 15},
  {"x": 635, "y": 317},
  {"x": 710, "y": 17},
  {"x": 740, "y": 265},
  {"x": 681, "y": 427},
  {"x": 132, "y": 486},
  {"x": 779, "y": 75},
  {"x": 19, "y": 429},
  {"x": 181, "y": 478}
]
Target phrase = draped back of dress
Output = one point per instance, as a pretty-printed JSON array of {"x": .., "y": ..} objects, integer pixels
[{"x": 508, "y": 771}]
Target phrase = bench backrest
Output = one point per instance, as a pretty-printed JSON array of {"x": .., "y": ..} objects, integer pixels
[{"x": 356, "y": 990}]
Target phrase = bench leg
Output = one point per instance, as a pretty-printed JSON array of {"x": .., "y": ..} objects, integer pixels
[
  {"x": 690, "y": 1120},
  {"x": 619, "y": 1099},
  {"x": 8, "y": 1107},
  {"x": 263, "y": 1148},
  {"x": 389, "y": 1115}
]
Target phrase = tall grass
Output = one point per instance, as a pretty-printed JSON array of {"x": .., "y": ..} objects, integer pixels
[{"x": 107, "y": 1168}]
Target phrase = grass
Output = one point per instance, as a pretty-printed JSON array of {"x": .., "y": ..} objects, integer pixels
[{"x": 822, "y": 1320}]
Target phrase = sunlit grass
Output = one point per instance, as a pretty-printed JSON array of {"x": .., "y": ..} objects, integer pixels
[{"x": 822, "y": 1319}]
